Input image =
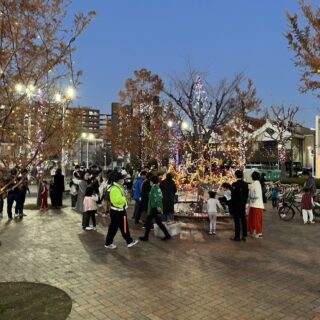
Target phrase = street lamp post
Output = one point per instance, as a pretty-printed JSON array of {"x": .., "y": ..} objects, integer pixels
[{"x": 88, "y": 137}]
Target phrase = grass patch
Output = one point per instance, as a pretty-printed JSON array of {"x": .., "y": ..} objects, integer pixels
[{"x": 33, "y": 301}]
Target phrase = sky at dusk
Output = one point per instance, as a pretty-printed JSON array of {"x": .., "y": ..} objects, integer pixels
[{"x": 222, "y": 36}]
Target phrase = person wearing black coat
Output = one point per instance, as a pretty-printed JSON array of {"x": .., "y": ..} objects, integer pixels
[
  {"x": 145, "y": 189},
  {"x": 58, "y": 189},
  {"x": 239, "y": 198},
  {"x": 169, "y": 190},
  {"x": 263, "y": 186}
]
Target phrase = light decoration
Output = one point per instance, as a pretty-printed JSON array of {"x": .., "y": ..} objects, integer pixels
[
  {"x": 201, "y": 98},
  {"x": 282, "y": 153},
  {"x": 40, "y": 136}
]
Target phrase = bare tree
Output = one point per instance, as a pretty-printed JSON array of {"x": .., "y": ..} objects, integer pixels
[
  {"x": 206, "y": 108},
  {"x": 236, "y": 135},
  {"x": 284, "y": 123},
  {"x": 304, "y": 40}
]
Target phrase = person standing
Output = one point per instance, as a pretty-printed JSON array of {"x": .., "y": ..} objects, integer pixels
[
  {"x": 213, "y": 205},
  {"x": 13, "y": 193},
  {"x": 256, "y": 207},
  {"x": 118, "y": 214},
  {"x": 306, "y": 206},
  {"x": 90, "y": 209},
  {"x": 263, "y": 187},
  {"x": 137, "y": 196},
  {"x": 23, "y": 189},
  {"x": 58, "y": 189},
  {"x": 44, "y": 196},
  {"x": 73, "y": 192},
  {"x": 275, "y": 195},
  {"x": 310, "y": 183},
  {"x": 83, "y": 185},
  {"x": 238, "y": 201},
  {"x": 145, "y": 189},
  {"x": 169, "y": 190},
  {"x": 155, "y": 209}
]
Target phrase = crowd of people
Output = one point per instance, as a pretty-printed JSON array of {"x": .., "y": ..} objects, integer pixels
[{"x": 154, "y": 198}]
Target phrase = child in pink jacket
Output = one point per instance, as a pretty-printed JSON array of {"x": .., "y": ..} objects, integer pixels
[{"x": 89, "y": 209}]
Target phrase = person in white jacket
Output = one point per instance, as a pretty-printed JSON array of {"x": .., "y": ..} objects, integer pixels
[
  {"x": 256, "y": 207},
  {"x": 89, "y": 209}
]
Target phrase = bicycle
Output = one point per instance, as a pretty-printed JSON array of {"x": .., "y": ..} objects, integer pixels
[{"x": 289, "y": 206}]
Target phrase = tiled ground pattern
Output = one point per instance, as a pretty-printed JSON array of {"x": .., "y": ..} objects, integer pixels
[{"x": 194, "y": 276}]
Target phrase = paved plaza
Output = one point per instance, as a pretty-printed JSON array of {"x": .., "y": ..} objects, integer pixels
[{"x": 193, "y": 276}]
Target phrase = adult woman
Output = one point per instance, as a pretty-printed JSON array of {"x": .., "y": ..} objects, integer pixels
[
  {"x": 83, "y": 184},
  {"x": 256, "y": 207},
  {"x": 169, "y": 189},
  {"x": 58, "y": 189}
]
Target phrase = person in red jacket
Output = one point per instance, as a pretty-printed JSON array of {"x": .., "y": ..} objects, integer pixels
[
  {"x": 306, "y": 206},
  {"x": 44, "y": 196}
]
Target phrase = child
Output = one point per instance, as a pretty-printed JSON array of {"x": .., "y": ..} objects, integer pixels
[
  {"x": 213, "y": 205},
  {"x": 89, "y": 209},
  {"x": 275, "y": 195},
  {"x": 306, "y": 206},
  {"x": 44, "y": 196},
  {"x": 73, "y": 192},
  {"x": 226, "y": 199}
]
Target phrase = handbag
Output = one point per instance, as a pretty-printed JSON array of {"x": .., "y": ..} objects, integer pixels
[{"x": 252, "y": 195}]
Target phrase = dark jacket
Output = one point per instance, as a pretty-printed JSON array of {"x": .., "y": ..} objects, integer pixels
[
  {"x": 239, "y": 196},
  {"x": 169, "y": 189},
  {"x": 58, "y": 183},
  {"x": 264, "y": 190},
  {"x": 145, "y": 189}
]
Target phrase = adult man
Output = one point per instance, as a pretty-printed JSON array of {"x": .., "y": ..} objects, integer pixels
[
  {"x": 13, "y": 193},
  {"x": 155, "y": 208},
  {"x": 137, "y": 196},
  {"x": 239, "y": 197},
  {"x": 118, "y": 214},
  {"x": 310, "y": 183}
]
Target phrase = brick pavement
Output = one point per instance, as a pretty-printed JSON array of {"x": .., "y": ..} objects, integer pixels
[{"x": 194, "y": 276}]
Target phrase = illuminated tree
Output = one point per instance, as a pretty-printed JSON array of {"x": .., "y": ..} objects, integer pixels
[
  {"x": 207, "y": 109},
  {"x": 236, "y": 135},
  {"x": 35, "y": 65}
]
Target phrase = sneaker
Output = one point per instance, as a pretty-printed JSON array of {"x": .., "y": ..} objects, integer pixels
[
  {"x": 110, "y": 246},
  {"x": 213, "y": 233},
  {"x": 94, "y": 228},
  {"x": 166, "y": 238},
  {"x": 88, "y": 228},
  {"x": 210, "y": 232},
  {"x": 312, "y": 222},
  {"x": 133, "y": 243},
  {"x": 143, "y": 239}
]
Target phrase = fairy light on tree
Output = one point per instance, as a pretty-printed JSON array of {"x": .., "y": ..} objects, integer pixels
[{"x": 39, "y": 63}]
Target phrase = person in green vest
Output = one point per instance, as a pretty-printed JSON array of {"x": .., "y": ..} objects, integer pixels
[
  {"x": 155, "y": 208},
  {"x": 118, "y": 214}
]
